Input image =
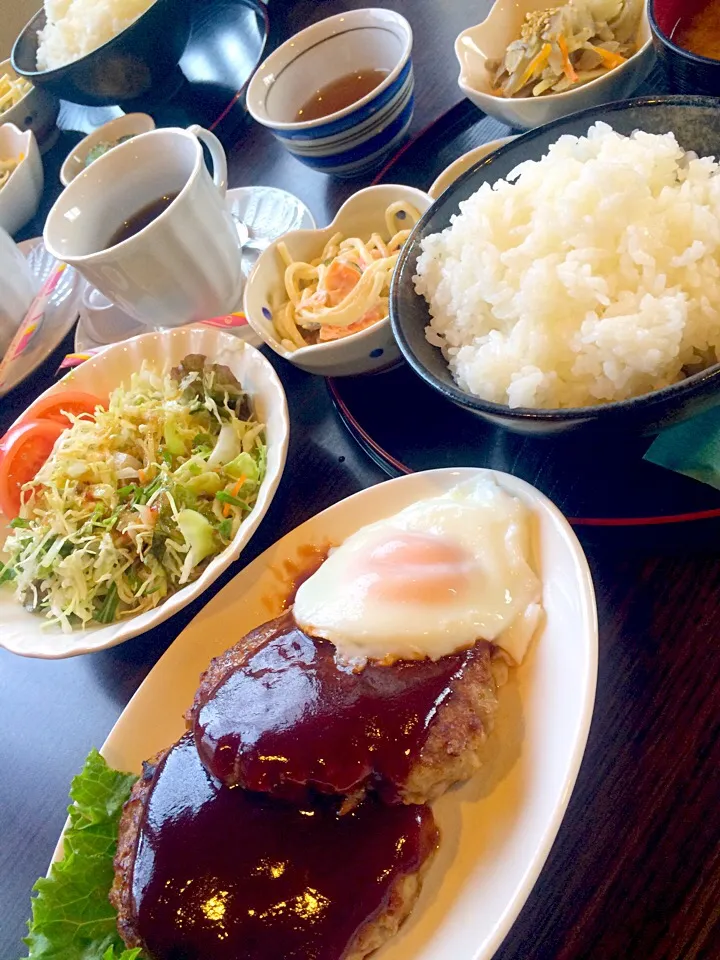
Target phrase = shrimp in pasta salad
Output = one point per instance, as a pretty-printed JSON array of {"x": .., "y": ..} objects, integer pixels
[{"x": 346, "y": 288}]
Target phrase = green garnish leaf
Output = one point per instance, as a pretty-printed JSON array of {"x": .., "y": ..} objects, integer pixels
[
  {"x": 7, "y": 572},
  {"x": 127, "y": 491},
  {"x": 19, "y": 522},
  {"x": 225, "y": 528},
  {"x": 72, "y": 917},
  {"x": 125, "y": 955}
]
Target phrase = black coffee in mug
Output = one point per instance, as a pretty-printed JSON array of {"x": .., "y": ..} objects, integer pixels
[{"x": 143, "y": 218}]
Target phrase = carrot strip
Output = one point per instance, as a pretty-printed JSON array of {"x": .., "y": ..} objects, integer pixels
[
  {"x": 236, "y": 487},
  {"x": 537, "y": 62},
  {"x": 609, "y": 59},
  {"x": 568, "y": 68},
  {"x": 233, "y": 493}
]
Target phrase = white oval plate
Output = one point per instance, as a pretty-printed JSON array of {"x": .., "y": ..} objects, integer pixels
[
  {"x": 23, "y": 632},
  {"x": 497, "y": 830}
]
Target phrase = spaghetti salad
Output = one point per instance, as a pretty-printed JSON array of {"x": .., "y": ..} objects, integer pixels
[
  {"x": 134, "y": 500},
  {"x": 346, "y": 288}
]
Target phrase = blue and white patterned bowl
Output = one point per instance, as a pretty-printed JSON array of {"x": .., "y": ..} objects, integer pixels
[{"x": 358, "y": 138}]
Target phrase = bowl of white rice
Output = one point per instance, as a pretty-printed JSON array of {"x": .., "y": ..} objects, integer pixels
[
  {"x": 573, "y": 277},
  {"x": 102, "y": 52}
]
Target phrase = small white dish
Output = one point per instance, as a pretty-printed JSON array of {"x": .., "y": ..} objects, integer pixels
[
  {"x": 23, "y": 632},
  {"x": 455, "y": 170},
  {"x": 20, "y": 196},
  {"x": 37, "y": 111},
  {"x": 489, "y": 40},
  {"x": 497, "y": 830},
  {"x": 128, "y": 125},
  {"x": 358, "y": 137},
  {"x": 60, "y": 315},
  {"x": 363, "y": 352}
]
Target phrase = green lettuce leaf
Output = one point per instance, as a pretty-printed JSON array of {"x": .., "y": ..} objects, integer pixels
[{"x": 72, "y": 918}]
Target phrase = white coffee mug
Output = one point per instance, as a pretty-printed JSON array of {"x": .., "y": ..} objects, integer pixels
[{"x": 185, "y": 265}]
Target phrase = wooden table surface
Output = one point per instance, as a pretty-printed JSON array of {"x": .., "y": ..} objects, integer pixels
[{"x": 635, "y": 871}]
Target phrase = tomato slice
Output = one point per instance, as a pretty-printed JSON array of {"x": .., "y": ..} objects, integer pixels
[
  {"x": 23, "y": 450},
  {"x": 52, "y": 406}
]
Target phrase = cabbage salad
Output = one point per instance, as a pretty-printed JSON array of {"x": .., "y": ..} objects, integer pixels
[{"x": 134, "y": 500}]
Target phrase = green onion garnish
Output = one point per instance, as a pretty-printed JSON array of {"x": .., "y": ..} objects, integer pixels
[
  {"x": 224, "y": 497},
  {"x": 106, "y": 613}
]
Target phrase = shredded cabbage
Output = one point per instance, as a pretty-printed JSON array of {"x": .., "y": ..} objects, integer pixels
[{"x": 134, "y": 500}]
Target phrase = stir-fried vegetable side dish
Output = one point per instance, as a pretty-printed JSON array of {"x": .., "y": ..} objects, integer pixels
[
  {"x": 134, "y": 500},
  {"x": 346, "y": 288},
  {"x": 566, "y": 46}
]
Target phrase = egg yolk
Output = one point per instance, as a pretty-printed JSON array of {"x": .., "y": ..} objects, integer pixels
[{"x": 417, "y": 568}]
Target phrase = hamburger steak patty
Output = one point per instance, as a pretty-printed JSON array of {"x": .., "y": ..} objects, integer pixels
[
  {"x": 276, "y": 713},
  {"x": 203, "y": 872}
]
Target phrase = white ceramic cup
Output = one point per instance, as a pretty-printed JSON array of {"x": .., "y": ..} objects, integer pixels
[{"x": 182, "y": 267}]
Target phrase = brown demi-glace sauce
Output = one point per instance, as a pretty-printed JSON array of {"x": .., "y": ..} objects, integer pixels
[
  {"x": 222, "y": 874},
  {"x": 340, "y": 93},
  {"x": 289, "y": 716},
  {"x": 698, "y": 29}
]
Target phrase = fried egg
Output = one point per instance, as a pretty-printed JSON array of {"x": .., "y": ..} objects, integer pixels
[{"x": 435, "y": 578}]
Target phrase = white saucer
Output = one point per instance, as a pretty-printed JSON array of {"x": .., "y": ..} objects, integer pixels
[
  {"x": 266, "y": 212},
  {"x": 60, "y": 314}
]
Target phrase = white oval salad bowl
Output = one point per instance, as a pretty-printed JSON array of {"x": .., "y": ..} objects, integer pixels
[
  {"x": 497, "y": 830},
  {"x": 27, "y": 633},
  {"x": 363, "y": 352}
]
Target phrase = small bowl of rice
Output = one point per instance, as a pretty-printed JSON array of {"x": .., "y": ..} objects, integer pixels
[
  {"x": 103, "y": 52},
  {"x": 573, "y": 277}
]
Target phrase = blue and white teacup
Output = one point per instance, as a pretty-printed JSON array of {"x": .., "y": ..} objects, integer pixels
[{"x": 360, "y": 136}]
